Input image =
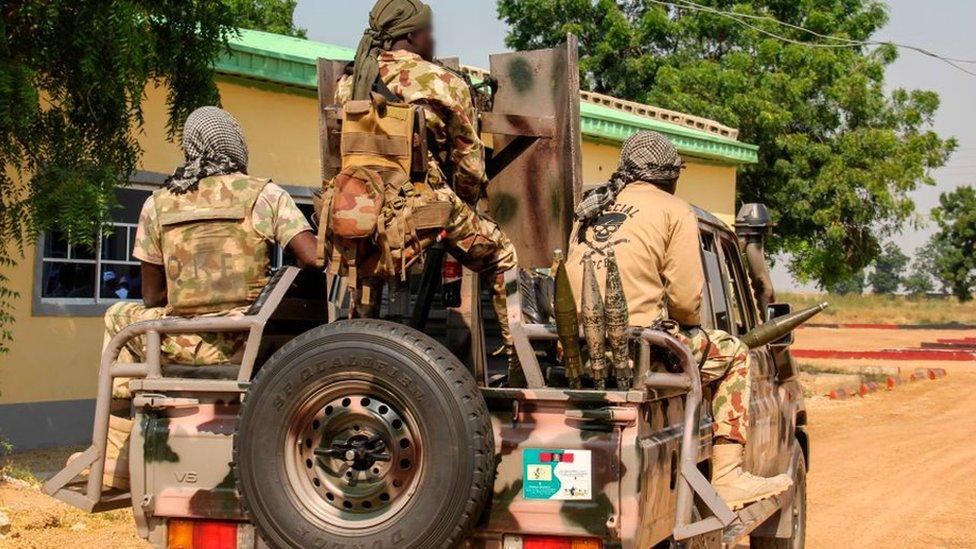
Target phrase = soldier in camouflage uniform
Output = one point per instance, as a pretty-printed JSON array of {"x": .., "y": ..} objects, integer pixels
[
  {"x": 204, "y": 241},
  {"x": 655, "y": 238},
  {"x": 398, "y": 50}
]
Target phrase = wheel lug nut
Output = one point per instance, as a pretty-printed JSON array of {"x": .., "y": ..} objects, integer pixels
[{"x": 350, "y": 455}]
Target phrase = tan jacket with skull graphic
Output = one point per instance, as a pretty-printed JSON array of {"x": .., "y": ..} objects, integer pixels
[{"x": 655, "y": 238}]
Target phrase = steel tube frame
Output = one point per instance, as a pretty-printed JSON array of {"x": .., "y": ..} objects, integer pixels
[
  {"x": 109, "y": 370},
  {"x": 691, "y": 479}
]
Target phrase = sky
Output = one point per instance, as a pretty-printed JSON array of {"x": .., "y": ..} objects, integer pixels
[{"x": 471, "y": 29}]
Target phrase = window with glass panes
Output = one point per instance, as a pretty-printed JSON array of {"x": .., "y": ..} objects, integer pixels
[
  {"x": 74, "y": 273},
  {"x": 77, "y": 275}
]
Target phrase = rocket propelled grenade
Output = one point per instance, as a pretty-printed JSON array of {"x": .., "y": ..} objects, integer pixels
[
  {"x": 778, "y": 327},
  {"x": 567, "y": 325},
  {"x": 618, "y": 321},
  {"x": 594, "y": 325}
]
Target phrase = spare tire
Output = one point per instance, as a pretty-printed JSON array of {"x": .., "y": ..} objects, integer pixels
[{"x": 363, "y": 433}]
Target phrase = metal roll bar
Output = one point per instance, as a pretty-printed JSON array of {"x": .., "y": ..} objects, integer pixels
[
  {"x": 92, "y": 497},
  {"x": 692, "y": 481}
]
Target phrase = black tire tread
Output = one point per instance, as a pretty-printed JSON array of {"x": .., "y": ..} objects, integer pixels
[{"x": 459, "y": 377}]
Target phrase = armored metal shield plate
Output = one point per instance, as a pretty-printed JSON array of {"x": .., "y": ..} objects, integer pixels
[{"x": 534, "y": 196}]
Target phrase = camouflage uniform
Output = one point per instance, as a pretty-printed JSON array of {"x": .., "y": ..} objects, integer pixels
[
  {"x": 273, "y": 217},
  {"x": 729, "y": 361},
  {"x": 473, "y": 238}
]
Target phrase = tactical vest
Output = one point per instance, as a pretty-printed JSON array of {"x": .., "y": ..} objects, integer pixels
[
  {"x": 374, "y": 207},
  {"x": 214, "y": 259}
]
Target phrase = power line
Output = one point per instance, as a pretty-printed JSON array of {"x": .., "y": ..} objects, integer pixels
[{"x": 843, "y": 42}]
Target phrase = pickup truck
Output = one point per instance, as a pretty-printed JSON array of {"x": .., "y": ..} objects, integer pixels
[{"x": 403, "y": 432}]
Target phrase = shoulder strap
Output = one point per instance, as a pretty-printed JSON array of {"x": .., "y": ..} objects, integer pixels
[{"x": 381, "y": 88}]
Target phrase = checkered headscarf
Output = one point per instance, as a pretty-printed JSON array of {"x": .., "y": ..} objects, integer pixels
[
  {"x": 213, "y": 144},
  {"x": 646, "y": 156}
]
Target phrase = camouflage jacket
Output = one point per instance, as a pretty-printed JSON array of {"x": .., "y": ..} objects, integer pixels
[
  {"x": 214, "y": 242},
  {"x": 451, "y": 116}
]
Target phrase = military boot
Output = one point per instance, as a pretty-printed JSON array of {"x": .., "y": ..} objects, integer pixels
[
  {"x": 116, "y": 474},
  {"x": 737, "y": 487}
]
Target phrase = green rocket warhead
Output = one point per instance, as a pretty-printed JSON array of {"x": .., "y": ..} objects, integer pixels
[
  {"x": 618, "y": 322},
  {"x": 567, "y": 324},
  {"x": 778, "y": 327},
  {"x": 594, "y": 324}
]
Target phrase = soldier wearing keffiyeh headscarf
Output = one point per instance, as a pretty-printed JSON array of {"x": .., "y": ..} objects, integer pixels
[
  {"x": 655, "y": 238},
  {"x": 203, "y": 241}
]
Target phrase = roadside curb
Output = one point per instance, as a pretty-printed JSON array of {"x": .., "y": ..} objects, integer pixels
[{"x": 845, "y": 391}]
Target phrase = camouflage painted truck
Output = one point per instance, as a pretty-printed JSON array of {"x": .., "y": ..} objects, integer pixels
[{"x": 403, "y": 433}]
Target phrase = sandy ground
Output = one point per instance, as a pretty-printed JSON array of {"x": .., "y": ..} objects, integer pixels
[
  {"x": 871, "y": 340},
  {"x": 895, "y": 469}
]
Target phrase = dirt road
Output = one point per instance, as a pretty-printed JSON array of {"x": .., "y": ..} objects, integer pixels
[{"x": 896, "y": 469}]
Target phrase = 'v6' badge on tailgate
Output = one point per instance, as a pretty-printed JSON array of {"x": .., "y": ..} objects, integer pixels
[{"x": 562, "y": 475}]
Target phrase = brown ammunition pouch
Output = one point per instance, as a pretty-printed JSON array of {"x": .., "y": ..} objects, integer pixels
[{"x": 372, "y": 210}]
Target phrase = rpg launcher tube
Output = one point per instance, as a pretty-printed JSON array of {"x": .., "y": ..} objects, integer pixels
[
  {"x": 594, "y": 325},
  {"x": 618, "y": 320},
  {"x": 567, "y": 327},
  {"x": 778, "y": 327}
]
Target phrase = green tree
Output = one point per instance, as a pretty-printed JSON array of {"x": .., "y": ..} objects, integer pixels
[
  {"x": 275, "y": 16},
  {"x": 889, "y": 270},
  {"x": 918, "y": 283},
  {"x": 927, "y": 261},
  {"x": 72, "y": 82},
  {"x": 954, "y": 246},
  {"x": 838, "y": 155},
  {"x": 852, "y": 284}
]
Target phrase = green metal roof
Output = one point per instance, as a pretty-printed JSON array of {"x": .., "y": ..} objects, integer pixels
[{"x": 292, "y": 62}]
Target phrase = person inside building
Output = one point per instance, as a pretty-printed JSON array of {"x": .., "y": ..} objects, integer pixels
[
  {"x": 204, "y": 241},
  {"x": 655, "y": 238},
  {"x": 396, "y": 58}
]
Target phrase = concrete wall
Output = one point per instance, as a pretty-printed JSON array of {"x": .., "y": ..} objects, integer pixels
[{"x": 48, "y": 380}]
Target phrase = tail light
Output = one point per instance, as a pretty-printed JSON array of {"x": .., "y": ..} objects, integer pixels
[
  {"x": 202, "y": 534},
  {"x": 551, "y": 542}
]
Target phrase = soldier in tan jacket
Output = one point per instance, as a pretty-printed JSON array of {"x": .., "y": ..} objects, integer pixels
[
  {"x": 654, "y": 236},
  {"x": 204, "y": 241}
]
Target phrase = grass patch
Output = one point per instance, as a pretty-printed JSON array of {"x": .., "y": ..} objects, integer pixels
[
  {"x": 884, "y": 309},
  {"x": 36, "y": 466},
  {"x": 865, "y": 376}
]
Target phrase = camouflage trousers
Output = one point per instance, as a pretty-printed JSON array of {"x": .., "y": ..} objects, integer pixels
[
  {"x": 474, "y": 239},
  {"x": 190, "y": 349},
  {"x": 727, "y": 361}
]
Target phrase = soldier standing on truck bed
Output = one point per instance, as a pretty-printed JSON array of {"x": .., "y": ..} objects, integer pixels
[
  {"x": 204, "y": 241},
  {"x": 396, "y": 56},
  {"x": 655, "y": 238}
]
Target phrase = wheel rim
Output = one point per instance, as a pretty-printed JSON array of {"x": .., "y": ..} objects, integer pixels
[{"x": 353, "y": 454}]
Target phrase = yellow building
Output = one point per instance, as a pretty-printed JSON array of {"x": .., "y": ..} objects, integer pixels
[{"x": 47, "y": 382}]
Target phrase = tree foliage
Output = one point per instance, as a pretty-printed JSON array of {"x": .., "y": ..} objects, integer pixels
[
  {"x": 838, "y": 155},
  {"x": 889, "y": 270},
  {"x": 852, "y": 284},
  {"x": 275, "y": 16},
  {"x": 918, "y": 283},
  {"x": 953, "y": 248},
  {"x": 72, "y": 81}
]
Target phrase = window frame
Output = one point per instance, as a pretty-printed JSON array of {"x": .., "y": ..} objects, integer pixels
[
  {"x": 731, "y": 257},
  {"x": 95, "y": 307}
]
